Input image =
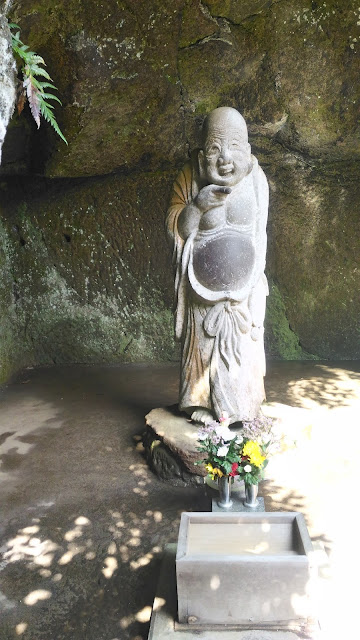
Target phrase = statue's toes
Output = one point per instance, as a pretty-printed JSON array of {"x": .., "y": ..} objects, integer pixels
[{"x": 203, "y": 416}]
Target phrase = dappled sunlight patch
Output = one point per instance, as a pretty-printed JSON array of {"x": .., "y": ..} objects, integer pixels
[
  {"x": 111, "y": 549},
  {"x": 215, "y": 583},
  {"x": 31, "y": 530},
  {"x": 126, "y": 621},
  {"x": 23, "y": 547},
  {"x": 73, "y": 550},
  {"x": 36, "y": 596},
  {"x": 73, "y": 534},
  {"x": 124, "y": 553},
  {"x": 192, "y": 435},
  {"x": 21, "y": 628},
  {"x": 134, "y": 542},
  {"x": 334, "y": 387},
  {"x": 159, "y": 603},
  {"x": 142, "y": 561},
  {"x": 300, "y": 604},
  {"x": 156, "y": 515},
  {"x": 82, "y": 521},
  {"x": 120, "y": 523},
  {"x": 140, "y": 492},
  {"x": 143, "y": 615},
  {"x": 57, "y": 577},
  {"x": 111, "y": 565}
]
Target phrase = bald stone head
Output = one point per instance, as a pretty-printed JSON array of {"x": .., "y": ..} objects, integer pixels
[
  {"x": 224, "y": 118},
  {"x": 226, "y": 155}
]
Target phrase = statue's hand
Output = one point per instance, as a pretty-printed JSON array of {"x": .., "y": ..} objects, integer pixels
[{"x": 210, "y": 197}]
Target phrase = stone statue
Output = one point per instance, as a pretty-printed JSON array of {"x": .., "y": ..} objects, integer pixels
[{"x": 217, "y": 226}]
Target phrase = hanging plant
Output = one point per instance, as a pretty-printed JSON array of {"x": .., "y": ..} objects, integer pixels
[{"x": 32, "y": 87}]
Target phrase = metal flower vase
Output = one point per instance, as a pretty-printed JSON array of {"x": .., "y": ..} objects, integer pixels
[
  {"x": 251, "y": 492},
  {"x": 224, "y": 486}
]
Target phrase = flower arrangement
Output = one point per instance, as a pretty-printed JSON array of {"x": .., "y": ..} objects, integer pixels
[
  {"x": 227, "y": 453},
  {"x": 253, "y": 461}
]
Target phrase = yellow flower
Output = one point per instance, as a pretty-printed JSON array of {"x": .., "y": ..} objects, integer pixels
[
  {"x": 213, "y": 471},
  {"x": 252, "y": 450}
]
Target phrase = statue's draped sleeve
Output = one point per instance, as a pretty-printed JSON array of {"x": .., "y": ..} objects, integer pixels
[{"x": 184, "y": 190}]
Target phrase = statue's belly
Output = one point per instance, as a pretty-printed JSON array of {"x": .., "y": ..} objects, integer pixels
[{"x": 223, "y": 261}]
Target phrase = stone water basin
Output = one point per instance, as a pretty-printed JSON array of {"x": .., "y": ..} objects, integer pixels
[{"x": 244, "y": 569}]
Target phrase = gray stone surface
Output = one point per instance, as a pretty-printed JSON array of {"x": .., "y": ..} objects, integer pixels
[
  {"x": 261, "y": 561},
  {"x": 163, "y": 619},
  {"x": 217, "y": 228}
]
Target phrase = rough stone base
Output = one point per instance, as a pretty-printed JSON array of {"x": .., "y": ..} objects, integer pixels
[
  {"x": 170, "y": 442},
  {"x": 165, "y": 627}
]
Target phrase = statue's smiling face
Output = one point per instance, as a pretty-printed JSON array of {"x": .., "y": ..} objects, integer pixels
[{"x": 226, "y": 157}]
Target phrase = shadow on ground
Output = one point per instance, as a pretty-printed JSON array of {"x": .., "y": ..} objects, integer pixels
[{"x": 83, "y": 520}]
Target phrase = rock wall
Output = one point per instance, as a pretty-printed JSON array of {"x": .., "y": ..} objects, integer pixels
[{"x": 86, "y": 268}]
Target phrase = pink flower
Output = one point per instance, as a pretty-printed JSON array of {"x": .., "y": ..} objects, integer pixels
[{"x": 224, "y": 419}]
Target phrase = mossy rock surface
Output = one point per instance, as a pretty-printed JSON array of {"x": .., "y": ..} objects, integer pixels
[
  {"x": 93, "y": 280},
  {"x": 86, "y": 274}
]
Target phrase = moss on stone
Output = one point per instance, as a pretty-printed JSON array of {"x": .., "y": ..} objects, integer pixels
[
  {"x": 281, "y": 342},
  {"x": 79, "y": 283},
  {"x": 87, "y": 273}
]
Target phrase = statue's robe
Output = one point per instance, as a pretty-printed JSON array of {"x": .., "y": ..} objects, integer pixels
[{"x": 220, "y": 295}]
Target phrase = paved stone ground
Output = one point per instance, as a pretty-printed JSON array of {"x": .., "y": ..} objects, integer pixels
[{"x": 83, "y": 520}]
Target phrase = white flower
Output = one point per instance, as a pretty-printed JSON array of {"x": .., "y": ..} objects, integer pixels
[
  {"x": 225, "y": 433},
  {"x": 202, "y": 436},
  {"x": 239, "y": 439},
  {"x": 247, "y": 468},
  {"x": 222, "y": 451}
]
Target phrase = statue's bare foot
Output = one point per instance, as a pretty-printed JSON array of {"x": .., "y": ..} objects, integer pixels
[{"x": 203, "y": 416}]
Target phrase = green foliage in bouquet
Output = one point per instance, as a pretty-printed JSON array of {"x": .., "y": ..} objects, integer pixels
[{"x": 245, "y": 454}]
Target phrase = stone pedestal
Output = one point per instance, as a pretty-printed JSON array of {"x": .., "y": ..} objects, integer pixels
[
  {"x": 244, "y": 569},
  {"x": 170, "y": 443}
]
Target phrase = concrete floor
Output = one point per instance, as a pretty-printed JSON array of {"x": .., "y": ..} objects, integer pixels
[{"x": 83, "y": 520}]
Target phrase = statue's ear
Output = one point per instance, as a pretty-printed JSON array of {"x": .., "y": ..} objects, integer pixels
[{"x": 201, "y": 159}]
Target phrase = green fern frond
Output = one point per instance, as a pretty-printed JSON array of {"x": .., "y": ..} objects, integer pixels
[
  {"x": 46, "y": 85},
  {"x": 34, "y": 70},
  {"x": 47, "y": 114},
  {"x": 35, "y": 88},
  {"x": 38, "y": 59},
  {"x": 50, "y": 96}
]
